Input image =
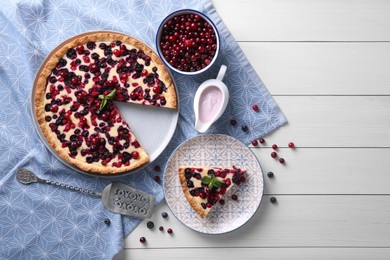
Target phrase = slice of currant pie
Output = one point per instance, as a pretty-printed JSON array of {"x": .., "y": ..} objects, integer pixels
[
  {"x": 203, "y": 187},
  {"x": 75, "y": 90}
]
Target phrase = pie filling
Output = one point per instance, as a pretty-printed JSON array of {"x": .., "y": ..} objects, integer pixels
[
  {"x": 87, "y": 129},
  {"x": 202, "y": 195}
]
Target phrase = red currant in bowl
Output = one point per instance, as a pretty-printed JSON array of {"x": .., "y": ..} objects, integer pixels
[{"x": 188, "y": 42}]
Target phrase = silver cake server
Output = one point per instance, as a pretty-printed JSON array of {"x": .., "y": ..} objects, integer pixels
[{"x": 116, "y": 197}]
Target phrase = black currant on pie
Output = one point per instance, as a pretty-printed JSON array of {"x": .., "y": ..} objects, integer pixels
[
  {"x": 203, "y": 187},
  {"x": 75, "y": 90}
]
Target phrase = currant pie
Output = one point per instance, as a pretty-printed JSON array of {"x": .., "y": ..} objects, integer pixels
[
  {"x": 203, "y": 187},
  {"x": 75, "y": 90}
]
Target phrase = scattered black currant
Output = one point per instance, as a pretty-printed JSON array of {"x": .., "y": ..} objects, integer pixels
[{"x": 150, "y": 224}]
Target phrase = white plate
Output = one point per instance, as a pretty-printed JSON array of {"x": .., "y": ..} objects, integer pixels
[
  {"x": 153, "y": 126},
  {"x": 215, "y": 150}
]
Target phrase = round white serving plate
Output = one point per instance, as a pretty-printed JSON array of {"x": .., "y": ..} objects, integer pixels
[
  {"x": 153, "y": 126},
  {"x": 215, "y": 150}
]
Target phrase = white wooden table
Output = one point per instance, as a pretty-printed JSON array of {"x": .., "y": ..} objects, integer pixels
[{"x": 327, "y": 63}]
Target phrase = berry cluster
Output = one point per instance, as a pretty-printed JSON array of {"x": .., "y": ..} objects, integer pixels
[
  {"x": 245, "y": 128},
  {"x": 274, "y": 154},
  {"x": 77, "y": 92},
  {"x": 188, "y": 42},
  {"x": 157, "y": 169},
  {"x": 213, "y": 194},
  {"x": 150, "y": 225}
]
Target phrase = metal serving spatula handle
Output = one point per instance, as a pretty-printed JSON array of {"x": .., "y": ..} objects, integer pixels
[
  {"x": 27, "y": 177},
  {"x": 116, "y": 197}
]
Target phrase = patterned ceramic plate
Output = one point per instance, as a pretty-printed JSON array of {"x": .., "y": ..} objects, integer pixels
[{"x": 215, "y": 150}]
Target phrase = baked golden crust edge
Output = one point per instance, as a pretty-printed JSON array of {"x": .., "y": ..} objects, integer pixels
[{"x": 183, "y": 182}]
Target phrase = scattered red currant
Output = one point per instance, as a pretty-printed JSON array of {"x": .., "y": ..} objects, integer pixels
[
  {"x": 157, "y": 168},
  {"x": 291, "y": 145},
  {"x": 274, "y": 146},
  {"x": 157, "y": 178},
  {"x": 233, "y": 122},
  {"x": 142, "y": 240},
  {"x": 274, "y": 154},
  {"x": 161, "y": 228},
  {"x": 261, "y": 140},
  {"x": 255, "y": 142},
  {"x": 222, "y": 202},
  {"x": 255, "y": 107},
  {"x": 234, "y": 197},
  {"x": 281, "y": 160},
  {"x": 170, "y": 231}
]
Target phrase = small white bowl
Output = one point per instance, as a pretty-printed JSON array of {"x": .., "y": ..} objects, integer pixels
[
  {"x": 160, "y": 31},
  {"x": 210, "y": 101}
]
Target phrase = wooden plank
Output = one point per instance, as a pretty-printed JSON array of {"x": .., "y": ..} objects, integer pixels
[
  {"x": 334, "y": 121},
  {"x": 322, "y": 68},
  {"x": 326, "y": 171},
  {"x": 255, "y": 253},
  {"x": 294, "y": 221},
  {"x": 306, "y": 20}
]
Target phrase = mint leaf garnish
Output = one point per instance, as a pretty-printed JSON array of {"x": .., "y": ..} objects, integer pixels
[
  {"x": 111, "y": 95},
  {"x": 206, "y": 180},
  {"x": 217, "y": 183},
  {"x": 103, "y": 104},
  {"x": 212, "y": 181},
  {"x": 106, "y": 98}
]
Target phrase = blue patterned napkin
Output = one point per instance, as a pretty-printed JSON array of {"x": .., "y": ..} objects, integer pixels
[{"x": 42, "y": 221}]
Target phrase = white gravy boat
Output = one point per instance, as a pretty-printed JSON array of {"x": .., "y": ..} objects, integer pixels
[{"x": 210, "y": 101}]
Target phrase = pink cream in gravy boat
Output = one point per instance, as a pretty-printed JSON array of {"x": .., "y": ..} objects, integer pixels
[{"x": 210, "y": 101}]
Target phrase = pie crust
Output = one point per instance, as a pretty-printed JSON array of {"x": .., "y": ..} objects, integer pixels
[{"x": 161, "y": 77}]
